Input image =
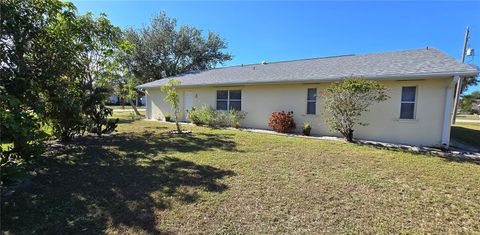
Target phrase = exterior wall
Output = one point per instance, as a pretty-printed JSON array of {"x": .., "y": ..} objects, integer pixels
[{"x": 259, "y": 101}]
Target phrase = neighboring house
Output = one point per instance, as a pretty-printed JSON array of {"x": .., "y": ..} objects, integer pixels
[
  {"x": 421, "y": 86},
  {"x": 115, "y": 100}
]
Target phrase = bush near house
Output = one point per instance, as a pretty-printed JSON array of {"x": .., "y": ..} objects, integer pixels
[
  {"x": 347, "y": 100},
  {"x": 206, "y": 115},
  {"x": 201, "y": 115},
  {"x": 282, "y": 122}
]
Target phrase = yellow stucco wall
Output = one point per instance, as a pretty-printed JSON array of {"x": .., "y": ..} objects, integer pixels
[{"x": 259, "y": 101}]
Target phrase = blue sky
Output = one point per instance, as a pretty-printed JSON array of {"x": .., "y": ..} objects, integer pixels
[{"x": 274, "y": 31}]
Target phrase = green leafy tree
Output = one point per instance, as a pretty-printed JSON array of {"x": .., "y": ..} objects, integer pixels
[
  {"x": 98, "y": 113},
  {"x": 101, "y": 43},
  {"x": 173, "y": 98},
  {"x": 52, "y": 61},
  {"x": 72, "y": 108},
  {"x": 124, "y": 82},
  {"x": 163, "y": 49},
  {"x": 468, "y": 82},
  {"x": 124, "y": 88},
  {"x": 33, "y": 37},
  {"x": 468, "y": 101},
  {"x": 346, "y": 100}
]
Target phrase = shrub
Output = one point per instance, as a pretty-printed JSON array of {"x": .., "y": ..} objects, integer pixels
[
  {"x": 220, "y": 119},
  {"x": 168, "y": 117},
  {"x": 215, "y": 118},
  {"x": 282, "y": 122},
  {"x": 237, "y": 117},
  {"x": 306, "y": 129},
  {"x": 201, "y": 115}
]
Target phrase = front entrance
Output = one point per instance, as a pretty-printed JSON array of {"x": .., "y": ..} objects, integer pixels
[{"x": 188, "y": 102}]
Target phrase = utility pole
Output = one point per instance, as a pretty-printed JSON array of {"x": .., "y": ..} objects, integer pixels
[{"x": 459, "y": 83}]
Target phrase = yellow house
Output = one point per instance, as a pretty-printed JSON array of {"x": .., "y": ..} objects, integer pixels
[{"x": 421, "y": 85}]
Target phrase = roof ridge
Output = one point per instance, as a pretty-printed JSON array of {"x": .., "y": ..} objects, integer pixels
[{"x": 324, "y": 57}]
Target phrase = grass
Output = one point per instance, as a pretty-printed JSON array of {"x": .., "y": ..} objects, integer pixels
[
  {"x": 142, "y": 180},
  {"x": 124, "y": 116},
  {"x": 468, "y": 117},
  {"x": 467, "y": 133},
  {"x": 127, "y": 107},
  {"x": 127, "y": 115}
]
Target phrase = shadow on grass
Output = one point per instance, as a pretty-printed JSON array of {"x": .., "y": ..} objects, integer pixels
[
  {"x": 117, "y": 181},
  {"x": 466, "y": 136}
]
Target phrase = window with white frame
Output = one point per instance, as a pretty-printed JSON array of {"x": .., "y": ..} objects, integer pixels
[
  {"x": 229, "y": 100},
  {"x": 311, "y": 100},
  {"x": 407, "y": 107}
]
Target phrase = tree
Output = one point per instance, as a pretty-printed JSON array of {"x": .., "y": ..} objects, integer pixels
[
  {"x": 32, "y": 39},
  {"x": 346, "y": 100},
  {"x": 468, "y": 101},
  {"x": 124, "y": 88},
  {"x": 52, "y": 61},
  {"x": 76, "y": 101},
  {"x": 101, "y": 43},
  {"x": 468, "y": 82},
  {"x": 124, "y": 82},
  {"x": 173, "y": 98},
  {"x": 164, "y": 50}
]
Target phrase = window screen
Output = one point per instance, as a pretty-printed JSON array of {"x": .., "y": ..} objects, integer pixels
[
  {"x": 407, "y": 106},
  {"x": 312, "y": 101},
  {"x": 229, "y": 99}
]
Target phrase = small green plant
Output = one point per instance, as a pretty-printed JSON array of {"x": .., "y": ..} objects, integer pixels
[
  {"x": 131, "y": 115},
  {"x": 306, "y": 129},
  {"x": 237, "y": 117},
  {"x": 168, "y": 117},
  {"x": 173, "y": 98}
]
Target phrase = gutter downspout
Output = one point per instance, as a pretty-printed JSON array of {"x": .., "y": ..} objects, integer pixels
[{"x": 447, "y": 115}]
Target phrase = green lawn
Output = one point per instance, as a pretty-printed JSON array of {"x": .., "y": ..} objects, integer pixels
[
  {"x": 467, "y": 133},
  {"x": 126, "y": 107},
  {"x": 144, "y": 181},
  {"x": 468, "y": 117}
]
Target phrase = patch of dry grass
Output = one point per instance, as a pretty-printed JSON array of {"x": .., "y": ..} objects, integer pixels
[{"x": 143, "y": 180}]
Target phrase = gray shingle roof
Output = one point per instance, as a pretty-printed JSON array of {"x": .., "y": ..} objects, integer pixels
[{"x": 388, "y": 65}]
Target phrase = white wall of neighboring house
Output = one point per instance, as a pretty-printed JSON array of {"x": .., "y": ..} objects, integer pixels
[
  {"x": 259, "y": 101},
  {"x": 115, "y": 100}
]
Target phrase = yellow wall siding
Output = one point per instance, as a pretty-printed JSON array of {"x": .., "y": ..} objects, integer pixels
[{"x": 259, "y": 101}]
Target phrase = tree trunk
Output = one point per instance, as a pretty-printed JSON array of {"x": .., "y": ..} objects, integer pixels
[
  {"x": 20, "y": 146},
  {"x": 179, "y": 131},
  {"x": 349, "y": 136},
  {"x": 122, "y": 102},
  {"x": 134, "y": 108},
  {"x": 65, "y": 136}
]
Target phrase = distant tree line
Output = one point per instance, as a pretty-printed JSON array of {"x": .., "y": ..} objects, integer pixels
[{"x": 469, "y": 103}]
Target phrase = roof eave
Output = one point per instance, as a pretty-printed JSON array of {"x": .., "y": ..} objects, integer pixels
[{"x": 409, "y": 76}]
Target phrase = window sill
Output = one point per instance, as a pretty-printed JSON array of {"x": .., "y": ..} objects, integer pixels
[
  {"x": 407, "y": 120},
  {"x": 309, "y": 115}
]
